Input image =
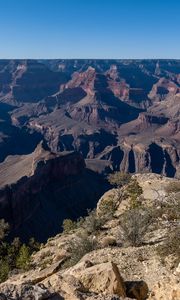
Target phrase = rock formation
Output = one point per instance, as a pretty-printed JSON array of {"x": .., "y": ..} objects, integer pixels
[
  {"x": 43, "y": 188},
  {"x": 109, "y": 272},
  {"x": 123, "y": 111}
]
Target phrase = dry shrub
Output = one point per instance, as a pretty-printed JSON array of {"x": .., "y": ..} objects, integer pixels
[
  {"x": 134, "y": 224},
  {"x": 171, "y": 246},
  {"x": 78, "y": 247}
]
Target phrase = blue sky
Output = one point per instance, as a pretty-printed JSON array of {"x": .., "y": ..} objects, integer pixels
[{"x": 89, "y": 28}]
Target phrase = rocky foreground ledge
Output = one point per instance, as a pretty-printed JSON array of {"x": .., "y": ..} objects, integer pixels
[{"x": 112, "y": 271}]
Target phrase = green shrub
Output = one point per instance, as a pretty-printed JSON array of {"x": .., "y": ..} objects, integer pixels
[
  {"x": 23, "y": 258},
  {"x": 131, "y": 188},
  {"x": 134, "y": 191},
  {"x": 107, "y": 208},
  {"x": 68, "y": 225},
  {"x": 14, "y": 255},
  {"x": 4, "y": 270}
]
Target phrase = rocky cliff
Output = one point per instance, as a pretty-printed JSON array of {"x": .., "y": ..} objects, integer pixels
[
  {"x": 38, "y": 191},
  {"x": 111, "y": 269},
  {"x": 121, "y": 110}
]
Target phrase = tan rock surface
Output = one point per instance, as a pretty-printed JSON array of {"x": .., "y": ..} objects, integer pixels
[
  {"x": 168, "y": 289},
  {"x": 104, "y": 272},
  {"x": 102, "y": 278}
]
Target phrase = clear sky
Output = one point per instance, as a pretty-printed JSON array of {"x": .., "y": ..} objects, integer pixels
[{"x": 90, "y": 29}]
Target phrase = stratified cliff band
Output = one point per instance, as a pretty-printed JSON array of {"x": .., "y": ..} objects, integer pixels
[
  {"x": 123, "y": 111},
  {"x": 38, "y": 191}
]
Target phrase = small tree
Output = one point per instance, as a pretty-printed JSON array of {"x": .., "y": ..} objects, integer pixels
[
  {"x": 23, "y": 259},
  {"x": 134, "y": 191}
]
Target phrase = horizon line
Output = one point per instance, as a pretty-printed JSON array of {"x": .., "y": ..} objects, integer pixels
[{"x": 39, "y": 58}]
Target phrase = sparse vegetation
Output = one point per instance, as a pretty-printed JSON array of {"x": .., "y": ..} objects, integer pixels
[
  {"x": 119, "y": 179},
  {"x": 80, "y": 246},
  {"x": 171, "y": 246},
  {"x": 170, "y": 211},
  {"x": 169, "y": 208},
  {"x": 93, "y": 223},
  {"x": 4, "y": 269},
  {"x": 69, "y": 225},
  {"x": 107, "y": 208},
  {"x": 134, "y": 224},
  {"x": 23, "y": 258},
  {"x": 14, "y": 255},
  {"x": 46, "y": 262},
  {"x": 134, "y": 191},
  {"x": 4, "y": 227},
  {"x": 174, "y": 187}
]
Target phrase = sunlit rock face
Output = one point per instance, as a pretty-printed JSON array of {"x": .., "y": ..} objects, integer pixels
[{"x": 124, "y": 112}]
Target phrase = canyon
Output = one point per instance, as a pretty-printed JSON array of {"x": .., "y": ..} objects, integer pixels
[
  {"x": 65, "y": 125},
  {"x": 123, "y": 114}
]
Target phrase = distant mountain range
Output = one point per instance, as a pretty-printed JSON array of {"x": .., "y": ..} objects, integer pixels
[{"x": 120, "y": 114}]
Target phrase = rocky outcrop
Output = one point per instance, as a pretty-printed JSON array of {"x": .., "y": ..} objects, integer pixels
[
  {"x": 163, "y": 89},
  {"x": 167, "y": 289},
  {"x": 101, "y": 282},
  {"x": 102, "y": 278},
  {"x": 153, "y": 190},
  {"x": 111, "y": 271},
  {"x": 42, "y": 189}
]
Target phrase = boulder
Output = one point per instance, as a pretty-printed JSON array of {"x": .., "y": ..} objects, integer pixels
[
  {"x": 68, "y": 287},
  {"x": 108, "y": 241},
  {"x": 103, "y": 278}
]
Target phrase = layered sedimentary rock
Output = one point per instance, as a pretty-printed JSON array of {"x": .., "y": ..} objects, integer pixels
[
  {"x": 40, "y": 190},
  {"x": 123, "y": 111}
]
